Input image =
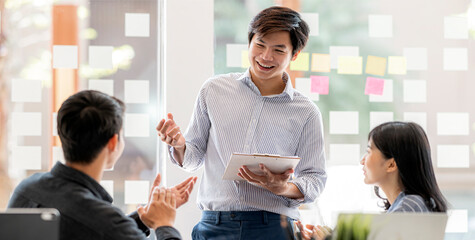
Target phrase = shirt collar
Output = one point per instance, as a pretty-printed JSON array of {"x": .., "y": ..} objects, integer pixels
[
  {"x": 288, "y": 90},
  {"x": 71, "y": 174},
  {"x": 397, "y": 201}
]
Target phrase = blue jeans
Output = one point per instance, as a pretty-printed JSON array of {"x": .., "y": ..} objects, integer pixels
[{"x": 240, "y": 225}]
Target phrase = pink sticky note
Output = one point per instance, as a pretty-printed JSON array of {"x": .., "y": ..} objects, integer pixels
[
  {"x": 319, "y": 84},
  {"x": 374, "y": 86}
]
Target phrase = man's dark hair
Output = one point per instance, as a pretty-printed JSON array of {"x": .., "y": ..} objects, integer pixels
[
  {"x": 275, "y": 19},
  {"x": 87, "y": 121}
]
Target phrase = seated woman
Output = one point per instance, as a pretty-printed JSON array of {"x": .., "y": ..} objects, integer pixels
[{"x": 397, "y": 161}]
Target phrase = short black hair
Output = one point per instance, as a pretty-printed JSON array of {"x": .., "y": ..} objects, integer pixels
[
  {"x": 407, "y": 143},
  {"x": 87, "y": 121},
  {"x": 275, "y": 19}
]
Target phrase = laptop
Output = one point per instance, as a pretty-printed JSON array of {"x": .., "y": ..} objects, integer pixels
[
  {"x": 391, "y": 226},
  {"x": 29, "y": 223}
]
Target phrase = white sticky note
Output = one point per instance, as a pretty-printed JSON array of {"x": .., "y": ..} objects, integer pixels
[
  {"x": 342, "y": 51},
  {"x": 312, "y": 20},
  {"x": 58, "y": 155},
  {"x": 455, "y": 27},
  {"x": 380, "y": 26},
  {"x": 453, "y": 124},
  {"x": 455, "y": 59},
  {"x": 415, "y": 91},
  {"x": 453, "y": 156},
  {"x": 234, "y": 54},
  {"x": 304, "y": 86},
  {"x": 54, "y": 125},
  {"x": 24, "y": 90},
  {"x": 347, "y": 154},
  {"x": 26, "y": 124},
  {"x": 344, "y": 122},
  {"x": 108, "y": 185},
  {"x": 26, "y": 158},
  {"x": 377, "y": 118},
  {"x": 100, "y": 57},
  {"x": 397, "y": 65},
  {"x": 387, "y": 93},
  {"x": 103, "y": 85},
  {"x": 137, "y": 125},
  {"x": 65, "y": 56},
  {"x": 136, "y": 192},
  {"x": 136, "y": 91},
  {"x": 137, "y": 24},
  {"x": 458, "y": 221},
  {"x": 416, "y": 58},
  {"x": 417, "y": 117}
]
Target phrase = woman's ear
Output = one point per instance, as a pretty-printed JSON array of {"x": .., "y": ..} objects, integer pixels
[
  {"x": 391, "y": 165},
  {"x": 295, "y": 56}
]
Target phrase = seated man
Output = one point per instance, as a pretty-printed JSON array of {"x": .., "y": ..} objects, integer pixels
[{"x": 90, "y": 129}]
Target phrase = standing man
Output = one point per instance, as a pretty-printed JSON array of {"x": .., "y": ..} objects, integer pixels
[
  {"x": 257, "y": 111},
  {"x": 90, "y": 129}
]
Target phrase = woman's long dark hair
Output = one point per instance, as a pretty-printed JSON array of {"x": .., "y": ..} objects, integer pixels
[{"x": 407, "y": 143}]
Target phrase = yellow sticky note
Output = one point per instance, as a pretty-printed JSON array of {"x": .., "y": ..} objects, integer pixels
[
  {"x": 397, "y": 65},
  {"x": 245, "y": 59},
  {"x": 376, "y": 65},
  {"x": 301, "y": 63},
  {"x": 350, "y": 65},
  {"x": 320, "y": 62}
]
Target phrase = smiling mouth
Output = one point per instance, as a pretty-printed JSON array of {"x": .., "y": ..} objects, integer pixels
[{"x": 264, "y": 66}]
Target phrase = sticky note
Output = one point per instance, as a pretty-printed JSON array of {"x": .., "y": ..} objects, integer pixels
[
  {"x": 233, "y": 54},
  {"x": 376, "y": 65},
  {"x": 100, "y": 57},
  {"x": 350, "y": 65},
  {"x": 136, "y": 125},
  {"x": 137, "y": 24},
  {"x": 108, "y": 185},
  {"x": 54, "y": 125},
  {"x": 416, "y": 117},
  {"x": 24, "y": 90},
  {"x": 320, "y": 62},
  {"x": 319, "y": 84},
  {"x": 58, "y": 155},
  {"x": 342, "y": 51},
  {"x": 26, "y": 158},
  {"x": 346, "y": 154},
  {"x": 455, "y": 59},
  {"x": 380, "y": 26},
  {"x": 103, "y": 85},
  {"x": 387, "y": 93},
  {"x": 397, "y": 65},
  {"x": 312, "y": 21},
  {"x": 416, "y": 58},
  {"x": 377, "y": 118},
  {"x": 304, "y": 86},
  {"x": 301, "y": 63},
  {"x": 455, "y": 27},
  {"x": 374, "y": 86},
  {"x": 245, "y": 59},
  {"x": 136, "y": 91},
  {"x": 453, "y": 123},
  {"x": 26, "y": 124},
  {"x": 344, "y": 122},
  {"x": 136, "y": 192},
  {"x": 415, "y": 91},
  {"x": 458, "y": 221},
  {"x": 65, "y": 56},
  {"x": 453, "y": 156}
]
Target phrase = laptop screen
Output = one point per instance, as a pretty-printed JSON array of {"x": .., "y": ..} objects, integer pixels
[{"x": 29, "y": 223}]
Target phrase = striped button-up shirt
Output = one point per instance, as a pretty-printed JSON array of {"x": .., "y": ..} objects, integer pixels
[
  {"x": 408, "y": 203},
  {"x": 231, "y": 116}
]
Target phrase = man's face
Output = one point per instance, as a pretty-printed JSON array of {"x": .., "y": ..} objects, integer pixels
[{"x": 270, "y": 55}]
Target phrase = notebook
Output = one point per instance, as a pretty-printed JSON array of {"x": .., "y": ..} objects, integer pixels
[{"x": 29, "y": 223}]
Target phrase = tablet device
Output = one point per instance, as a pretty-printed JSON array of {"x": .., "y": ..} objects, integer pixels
[
  {"x": 275, "y": 163},
  {"x": 29, "y": 223}
]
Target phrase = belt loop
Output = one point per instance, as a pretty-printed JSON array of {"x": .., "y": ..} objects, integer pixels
[
  {"x": 264, "y": 218},
  {"x": 218, "y": 216}
]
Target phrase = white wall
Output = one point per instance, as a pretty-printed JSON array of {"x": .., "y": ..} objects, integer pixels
[{"x": 189, "y": 62}]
